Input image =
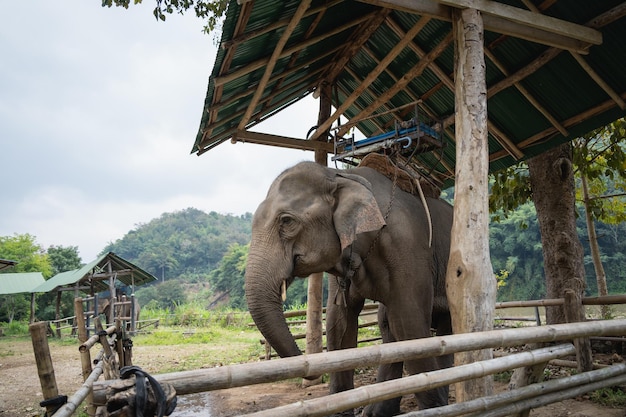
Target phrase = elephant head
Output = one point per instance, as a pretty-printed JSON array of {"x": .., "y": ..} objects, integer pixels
[{"x": 310, "y": 215}]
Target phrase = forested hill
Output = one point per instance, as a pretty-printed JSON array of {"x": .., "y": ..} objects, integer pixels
[{"x": 185, "y": 244}]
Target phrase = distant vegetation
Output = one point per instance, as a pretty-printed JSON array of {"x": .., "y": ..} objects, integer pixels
[{"x": 199, "y": 258}]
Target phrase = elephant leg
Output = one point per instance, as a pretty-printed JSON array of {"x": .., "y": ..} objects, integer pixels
[
  {"x": 409, "y": 326},
  {"x": 443, "y": 323},
  {"x": 386, "y": 372},
  {"x": 342, "y": 332}
]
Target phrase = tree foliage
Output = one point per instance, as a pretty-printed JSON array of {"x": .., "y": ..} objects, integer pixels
[
  {"x": 211, "y": 11},
  {"x": 186, "y": 244},
  {"x": 30, "y": 257}
]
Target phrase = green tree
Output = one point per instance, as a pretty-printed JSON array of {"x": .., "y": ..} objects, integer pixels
[
  {"x": 166, "y": 295},
  {"x": 228, "y": 278},
  {"x": 601, "y": 160},
  {"x": 212, "y": 11},
  {"x": 31, "y": 258},
  {"x": 62, "y": 259}
]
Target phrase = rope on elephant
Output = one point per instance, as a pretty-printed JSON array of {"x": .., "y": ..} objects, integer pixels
[{"x": 408, "y": 182}]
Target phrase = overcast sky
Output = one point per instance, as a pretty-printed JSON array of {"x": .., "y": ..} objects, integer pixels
[{"x": 99, "y": 109}]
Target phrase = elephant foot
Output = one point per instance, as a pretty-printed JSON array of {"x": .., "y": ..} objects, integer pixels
[{"x": 383, "y": 409}]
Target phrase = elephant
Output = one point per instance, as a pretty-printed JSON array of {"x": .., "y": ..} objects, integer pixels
[{"x": 375, "y": 240}]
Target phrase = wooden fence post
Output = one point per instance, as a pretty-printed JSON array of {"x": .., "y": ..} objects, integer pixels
[
  {"x": 573, "y": 309},
  {"x": 44, "y": 362}
]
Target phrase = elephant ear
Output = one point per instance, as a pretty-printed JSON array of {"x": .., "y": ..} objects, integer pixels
[{"x": 356, "y": 208}]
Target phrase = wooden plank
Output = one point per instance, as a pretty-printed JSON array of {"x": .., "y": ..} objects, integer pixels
[
  {"x": 282, "y": 141},
  {"x": 492, "y": 23},
  {"x": 533, "y": 20}
]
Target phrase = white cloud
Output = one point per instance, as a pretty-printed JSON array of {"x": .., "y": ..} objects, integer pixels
[{"x": 98, "y": 113}]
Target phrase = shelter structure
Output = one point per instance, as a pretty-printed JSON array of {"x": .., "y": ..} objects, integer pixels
[
  {"x": 21, "y": 282},
  {"x": 102, "y": 274},
  {"x": 497, "y": 81}
]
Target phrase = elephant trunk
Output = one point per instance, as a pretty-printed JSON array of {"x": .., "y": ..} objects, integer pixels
[{"x": 263, "y": 294}]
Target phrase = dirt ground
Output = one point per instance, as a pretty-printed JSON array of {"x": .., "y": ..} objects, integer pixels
[{"x": 20, "y": 391}]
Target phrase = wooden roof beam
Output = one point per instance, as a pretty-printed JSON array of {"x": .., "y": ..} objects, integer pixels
[
  {"x": 260, "y": 63},
  {"x": 242, "y": 22},
  {"x": 534, "y": 102},
  {"x": 551, "y": 131},
  {"x": 493, "y": 23},
  {"x": 204, "y": 145},
  {"x": 527, "y": 18},
  {"x": 352, "y": 47},
  {"x": 281, "y": 141},
  {"x": 406, "y": 78},
  {"x": 291, "y": 71},
  {"x": 585, "y": 66},
  {"x": 269, "y": 68},
  {"x": 395, "y": 51}
]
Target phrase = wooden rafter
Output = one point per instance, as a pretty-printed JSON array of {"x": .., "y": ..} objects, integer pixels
[
  {"x": 274, "y": 26},
  {"x": 353, "y": 45},
  {"x": 493, "y": 23},
  {"x": 260, "y": 63},
  {"x": 204, "y": 145},
  {"x": 250, "y": 90},
  {"x": 406, "y": 78},
  {"x": 551, "y": 131},
  {"x": 244, "y": 16},
  {"x": 294, "y": 57},
  {"x": 278, "y": 50},
  {"x": 530, "y": 19},
  {"x": 586, "y": 67},
  {"x": 371, "y": 77},
  {"x": 280, "y": 141},
  {"x": 531, "y": 99}
]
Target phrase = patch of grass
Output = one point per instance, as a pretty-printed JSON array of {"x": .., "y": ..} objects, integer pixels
[
  {"x": 503, "y": 377},
  {"x": 15, "y": 328},
  {"x": 610, "y": 397}
]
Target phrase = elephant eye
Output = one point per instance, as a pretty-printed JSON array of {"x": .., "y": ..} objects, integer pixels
[{"x": 287, "y": 224}]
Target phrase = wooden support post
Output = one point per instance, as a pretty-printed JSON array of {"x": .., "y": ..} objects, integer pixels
[
  {"x": 314, "y": 321},
  {"x": 44, "y": 363},
  {"x": 471, "y": 286},
  {"x": 57, "y": 315},
  {"x": 573, "y": 314}
]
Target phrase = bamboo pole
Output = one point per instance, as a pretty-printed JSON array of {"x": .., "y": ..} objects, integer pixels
[
  {"x": 334, "y": 403},
  {"x": 85, "y": 354},
  {"x": 201, "y": 380},
  {"x": 506, "y": 398},
  {"x": 95, "y": 339},
  {"x": 79, "y": 396},
  {"x": 44, "y": 362},
  {"x": 542, "y": 400}
]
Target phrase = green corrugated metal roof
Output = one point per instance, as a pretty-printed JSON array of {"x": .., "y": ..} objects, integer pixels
[
  {"x": 125, "y": 272},
  {"x": 20, "y": 282},
  {"x": 528, "y": 94}
]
